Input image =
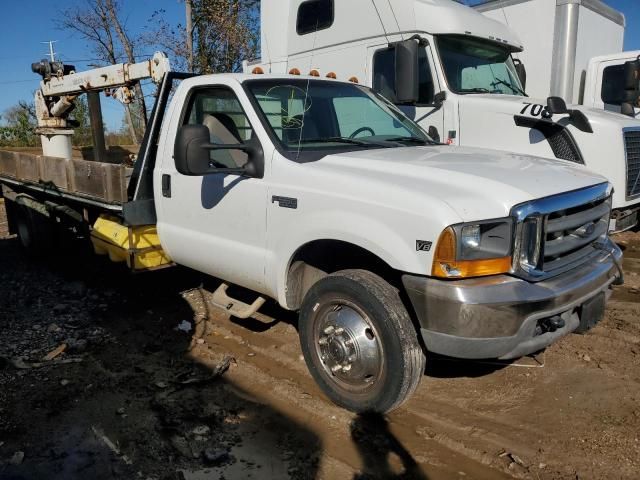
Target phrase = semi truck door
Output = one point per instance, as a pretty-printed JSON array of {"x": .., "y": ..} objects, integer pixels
[
  {"x": 216, "y": 223},
  {"x": 426, "y": 112}
]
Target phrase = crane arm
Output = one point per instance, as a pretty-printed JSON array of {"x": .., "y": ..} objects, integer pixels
[{"x": 113, "y": 76}]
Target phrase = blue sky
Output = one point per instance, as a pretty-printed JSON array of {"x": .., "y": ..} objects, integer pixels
[{"x": 26, "y": 23}]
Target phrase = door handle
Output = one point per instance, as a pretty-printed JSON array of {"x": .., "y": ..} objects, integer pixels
[{"x": 166, "y": 185}]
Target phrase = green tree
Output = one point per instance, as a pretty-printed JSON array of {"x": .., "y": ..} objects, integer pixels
[
  {"x": 20, "y": 124},
  {"x": 81, "y": 133}
]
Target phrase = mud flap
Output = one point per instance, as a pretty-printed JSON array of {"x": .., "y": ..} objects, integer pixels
[{"x": 591, "y": 313}]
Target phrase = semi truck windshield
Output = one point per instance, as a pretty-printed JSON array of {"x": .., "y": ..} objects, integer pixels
[
  {"x": 476, "y": 66},
  {"x": 305, "y": 115}
]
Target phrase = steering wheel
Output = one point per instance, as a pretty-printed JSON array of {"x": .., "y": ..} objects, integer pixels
[{"x": 360, "y": 130}]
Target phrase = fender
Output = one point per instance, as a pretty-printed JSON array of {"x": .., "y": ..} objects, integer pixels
[{"x": 397, "y": 250}]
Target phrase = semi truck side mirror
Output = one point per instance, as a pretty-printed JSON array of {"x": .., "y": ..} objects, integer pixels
[
  {"x": 521, "y": 71},
  {"x": 631, "y": 87},
  {"x": 192, "y": 154},
  {"x": 557, "y": 105},
  {"x": 407, "y": 79}
]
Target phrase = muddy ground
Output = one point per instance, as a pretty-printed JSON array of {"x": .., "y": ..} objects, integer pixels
[{"x": 145, "y": 381}]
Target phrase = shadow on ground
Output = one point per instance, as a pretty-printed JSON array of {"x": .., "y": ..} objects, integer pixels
[{"x": 124, "y": 399}]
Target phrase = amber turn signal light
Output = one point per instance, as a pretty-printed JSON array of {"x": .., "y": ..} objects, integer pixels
[{"x": 446, "y": 265}]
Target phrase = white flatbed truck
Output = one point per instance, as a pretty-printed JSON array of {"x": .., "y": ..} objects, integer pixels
[
  {"x": 458, "y": 74},
  {"x": 387, "y": 246}
]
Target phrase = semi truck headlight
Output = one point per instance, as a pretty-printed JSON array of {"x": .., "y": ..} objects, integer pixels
[{"x": 474, "y": 249}]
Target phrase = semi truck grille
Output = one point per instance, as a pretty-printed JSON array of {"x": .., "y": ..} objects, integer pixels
[
  {"x": 632, "y": 149},
  {"x": 558, "y": 233}
]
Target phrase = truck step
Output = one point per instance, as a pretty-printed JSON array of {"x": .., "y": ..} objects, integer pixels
[{"x": 235, "y": 307}]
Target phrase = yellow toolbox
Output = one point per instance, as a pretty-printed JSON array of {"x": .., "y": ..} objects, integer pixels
[{"x": 139, "y": 247}]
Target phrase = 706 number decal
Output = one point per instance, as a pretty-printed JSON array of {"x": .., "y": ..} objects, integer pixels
[{"x": 535, "y": 110}]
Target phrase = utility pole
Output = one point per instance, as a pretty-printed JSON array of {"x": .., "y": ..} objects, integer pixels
[
  {"x": 188, "y": 6},
  {"x": 51, "y": 53},
  {"x": 97, "y": 127}
]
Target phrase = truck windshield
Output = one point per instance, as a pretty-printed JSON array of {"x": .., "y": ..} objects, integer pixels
[
  {"x": 313, "y": 115},
  {"x": 472, "y": 65}
]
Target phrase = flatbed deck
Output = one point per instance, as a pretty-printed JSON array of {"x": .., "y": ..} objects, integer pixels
[{"x": 84, "y": 181}]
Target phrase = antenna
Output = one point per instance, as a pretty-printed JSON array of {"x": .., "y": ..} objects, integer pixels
[
  {"x": 306, "y": 91},
  {"x": 51, "y": 53},
  {"x": 373, "y": 2},
  {"x": 396, "y": 19}
]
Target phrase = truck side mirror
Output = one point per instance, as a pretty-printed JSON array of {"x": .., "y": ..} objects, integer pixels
[
  {"x": 631, "y": 87},
  {"x": 192, "y": 154},
  {"x": 557, "y": 105},
  {"x": 407, "y": 79},
  {"x": 521, "y": 71}
]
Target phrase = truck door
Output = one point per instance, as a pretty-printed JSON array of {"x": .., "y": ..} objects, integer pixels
[
  {"x": 215, "y": 223},
  {"x": 382, "y": 79}
]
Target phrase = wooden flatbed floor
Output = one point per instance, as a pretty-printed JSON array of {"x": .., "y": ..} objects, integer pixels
[{"x": 85, "y": 181}]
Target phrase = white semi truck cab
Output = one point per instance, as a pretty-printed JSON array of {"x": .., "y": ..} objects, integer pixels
[
  {"x": 573, "y": 50},
  {"x": 457, "y": 74},
  {"x": 387, "y": 244}
]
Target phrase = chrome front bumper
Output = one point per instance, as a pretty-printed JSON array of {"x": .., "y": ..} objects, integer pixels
[{"x": 500, "y": 316}]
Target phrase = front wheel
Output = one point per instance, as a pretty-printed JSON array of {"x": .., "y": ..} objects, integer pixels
[{"x": 359, "y": 342}]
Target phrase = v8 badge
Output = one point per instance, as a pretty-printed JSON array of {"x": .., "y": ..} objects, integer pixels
[{"x": 423, "y": 246}]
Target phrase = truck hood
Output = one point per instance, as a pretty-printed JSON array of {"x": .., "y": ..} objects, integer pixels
[{"x": 476, "y": 183}]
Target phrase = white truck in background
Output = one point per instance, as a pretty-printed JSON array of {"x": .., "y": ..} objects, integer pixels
[
  {"x": 456, "y": 73},
  {"x": 573, "y": 50},
  {"x": 611, "y": 83},
  {"x": 385, "y": 244}
]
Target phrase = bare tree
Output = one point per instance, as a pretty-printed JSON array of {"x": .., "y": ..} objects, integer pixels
[
  {"x": 112, "y": 7},
  {"x": 222, "y": 33},
  {"x": 188, "y": 11},
  {"x": 94, "y": 23}
]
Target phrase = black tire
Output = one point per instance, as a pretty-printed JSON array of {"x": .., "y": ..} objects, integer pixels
[
  {"x": 339, "y": 303},
  {"x": 34, "y": 227}
]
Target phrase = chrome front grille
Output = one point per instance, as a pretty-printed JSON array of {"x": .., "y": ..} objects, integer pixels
[
  {"x": 556, "y": 234},
  {"x": 632, "y": 150}
]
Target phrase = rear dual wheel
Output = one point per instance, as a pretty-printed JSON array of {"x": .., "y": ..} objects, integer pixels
[
  {"x": 359, "y": 342},
  {"x": 34, "y": 226}
]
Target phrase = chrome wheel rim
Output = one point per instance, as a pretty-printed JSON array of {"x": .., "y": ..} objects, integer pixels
[{"x": 348, "y": 346}]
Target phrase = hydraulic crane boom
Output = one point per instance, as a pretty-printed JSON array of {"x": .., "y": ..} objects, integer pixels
[{"x": 61, "y": 85}]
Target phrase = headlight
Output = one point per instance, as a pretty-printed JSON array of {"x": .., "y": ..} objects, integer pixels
[{"x": 474, "y": 249}]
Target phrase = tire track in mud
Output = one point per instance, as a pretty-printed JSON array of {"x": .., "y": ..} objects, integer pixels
[
  {"x": 446, "y": 431},
  {"x": 273, "y": 371}
]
